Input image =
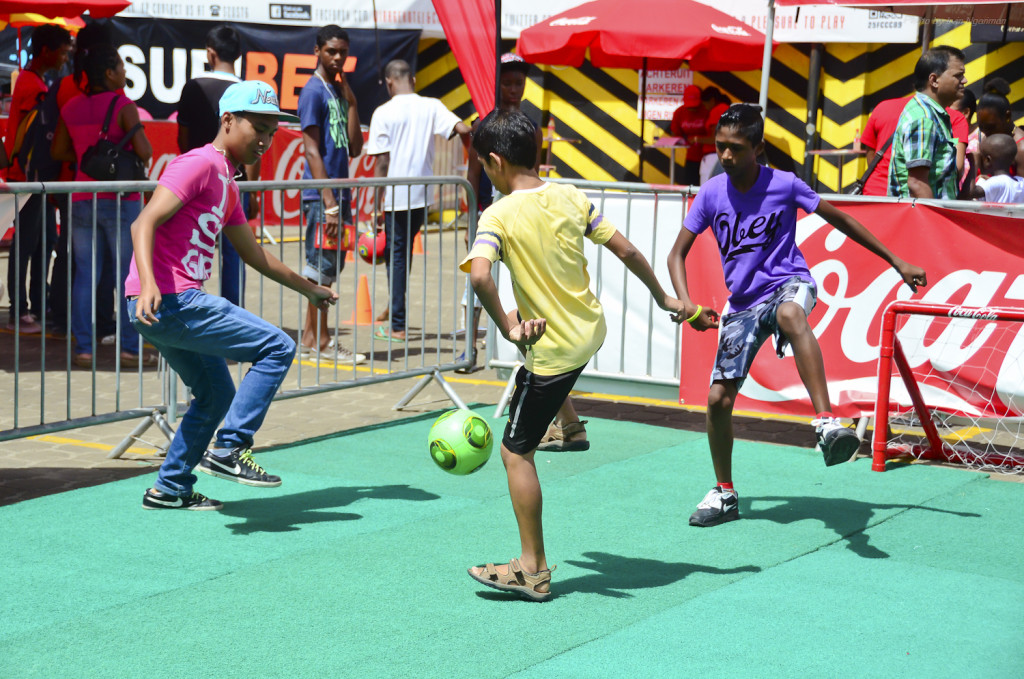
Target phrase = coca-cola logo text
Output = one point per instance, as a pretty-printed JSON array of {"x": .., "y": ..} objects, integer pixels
[
  {"x": 288, "y": 166},
  {"x": 962, "y": 350},
  {"x": 158, "y": 163},
  {"x": 961, "y": 312}
]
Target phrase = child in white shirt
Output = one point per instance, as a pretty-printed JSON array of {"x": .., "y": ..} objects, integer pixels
[{"x": 997, "y": 185}]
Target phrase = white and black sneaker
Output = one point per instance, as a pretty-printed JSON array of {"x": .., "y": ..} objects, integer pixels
[
  {"x": 346, "y": 355},
  {"x": 718, "y": 506},
  {"x": 836, "y": 443},
  {"x": 154, "y": 499},
  {"x": 238, "y": 467}
]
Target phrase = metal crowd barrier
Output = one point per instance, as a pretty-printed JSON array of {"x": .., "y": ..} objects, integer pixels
[
  {"x": 641, "y": 353},
  {"x": 49, "y": 393},
  {"x": 642, "y": 346}
]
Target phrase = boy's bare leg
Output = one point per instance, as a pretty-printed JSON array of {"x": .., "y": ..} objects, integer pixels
[
  {"x": 721, "y": 398},
  {"x": 567, "y": 414},
  {"x": 524, "y": 489},
  {"x": 310, "y": 331},
  {"x": 809, "y": 363},
  {"x": 836, "y": 443}
]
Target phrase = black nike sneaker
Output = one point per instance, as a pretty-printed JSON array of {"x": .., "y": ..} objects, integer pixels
[
  {"x": 154, "y": 499},
  {"x": 238, "y": 467}
]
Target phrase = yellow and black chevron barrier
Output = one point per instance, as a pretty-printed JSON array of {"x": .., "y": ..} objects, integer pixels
[{"x": 598, "y": 106}]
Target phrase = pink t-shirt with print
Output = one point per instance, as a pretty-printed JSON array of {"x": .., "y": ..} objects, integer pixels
[{"x": 185, "y": 245}]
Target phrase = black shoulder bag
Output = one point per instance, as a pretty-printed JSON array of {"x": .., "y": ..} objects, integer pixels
[
  {"x": 858, "y": 186},
  {"x": 106, "y": 161}
]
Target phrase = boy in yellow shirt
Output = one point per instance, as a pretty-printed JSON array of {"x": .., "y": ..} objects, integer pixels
[{"x": 537, "y": 232}]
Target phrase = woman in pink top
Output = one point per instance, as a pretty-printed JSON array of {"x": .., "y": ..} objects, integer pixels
[{"x": 105, "y": 242}]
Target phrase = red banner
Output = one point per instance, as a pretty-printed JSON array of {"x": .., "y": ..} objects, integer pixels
[
  {"x": 284, "y": 162},
  {"x": 971, "y": 260},
  {"x": 469, "y": 26}
]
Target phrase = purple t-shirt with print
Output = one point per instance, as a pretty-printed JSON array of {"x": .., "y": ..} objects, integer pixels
[{"x": 756, "y": 232}]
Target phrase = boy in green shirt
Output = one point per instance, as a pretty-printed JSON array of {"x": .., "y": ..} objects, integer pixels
[{"x": 537, "y": 232}]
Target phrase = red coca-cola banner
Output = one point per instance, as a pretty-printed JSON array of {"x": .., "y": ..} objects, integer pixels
[
  {"x": 973, "y": 260},
  {"x": 284, "y": 161}
]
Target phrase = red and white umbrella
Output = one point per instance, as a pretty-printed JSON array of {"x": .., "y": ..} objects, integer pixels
[
  {"x": 20, "y": 13},
  {"x": 642, "y": 35},
  {"x": 65, "y": 8},
  {"x": 73, "y": 24},
  {"x": 626, "y": 33}
]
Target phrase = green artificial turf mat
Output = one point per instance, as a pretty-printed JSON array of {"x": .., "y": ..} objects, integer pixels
[{"x": 356, "y": 567}]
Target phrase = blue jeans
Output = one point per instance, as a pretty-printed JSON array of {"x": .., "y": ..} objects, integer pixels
[
  {"x": 195, "y": 333},
  {"x": 108, "y": 257},
  {"x": 322, "y": 266},
  {"x": 400, "y": 229}
]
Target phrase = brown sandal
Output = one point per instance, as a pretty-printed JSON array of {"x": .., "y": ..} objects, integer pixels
[
  {"x": 515, "y": 580},
  {"x": 570, "y": 438}
]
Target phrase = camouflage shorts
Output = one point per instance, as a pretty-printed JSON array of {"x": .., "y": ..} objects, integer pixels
[{"x": 742, "y": 333}]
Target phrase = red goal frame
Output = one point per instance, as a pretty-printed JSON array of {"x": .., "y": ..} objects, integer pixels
[{"x": 891, "y": 352}]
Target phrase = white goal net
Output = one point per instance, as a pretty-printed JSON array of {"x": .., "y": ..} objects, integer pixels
[{"x": 951, "y": 386}]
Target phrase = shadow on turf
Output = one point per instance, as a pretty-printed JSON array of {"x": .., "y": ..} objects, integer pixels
[
  {"x": 614, "y": 574},
  {"x": 848, "y": 518},
  {"x": 287, "y": 512}
]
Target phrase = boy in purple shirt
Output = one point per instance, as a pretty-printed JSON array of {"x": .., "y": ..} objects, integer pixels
[
  {"x": 174, "y": 239},
  {"x": 751, "y": 210}
]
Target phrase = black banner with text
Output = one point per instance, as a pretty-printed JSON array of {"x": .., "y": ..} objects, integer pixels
[{"x": 161, "y": 55}]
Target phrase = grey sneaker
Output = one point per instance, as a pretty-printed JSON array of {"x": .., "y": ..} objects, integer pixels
[
  {"x": 835, "y": 442},
  {"x": 346, "y": 355},
  {"x": 334, "y": 351},
  {"x": 718, "y": 506}
]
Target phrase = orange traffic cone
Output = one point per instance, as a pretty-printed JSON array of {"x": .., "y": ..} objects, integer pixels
[
  {"x": 363, "y": 313},
  {"x": 417, "y": 244}
]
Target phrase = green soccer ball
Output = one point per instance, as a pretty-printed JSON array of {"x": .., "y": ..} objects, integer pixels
[{"x": 460, "y": 442}]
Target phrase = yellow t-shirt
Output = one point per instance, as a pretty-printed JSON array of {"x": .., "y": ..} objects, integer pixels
[{"x": 538, "y": 234}]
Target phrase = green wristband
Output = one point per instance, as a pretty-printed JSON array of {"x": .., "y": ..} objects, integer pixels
[{"x": 696, "y": 315}]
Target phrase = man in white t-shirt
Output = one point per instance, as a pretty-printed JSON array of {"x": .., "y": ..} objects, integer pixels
[{"x": 402, "y": 141}]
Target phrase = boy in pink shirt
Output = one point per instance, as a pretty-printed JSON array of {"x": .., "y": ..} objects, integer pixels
[{"x": 174, "y": 241}]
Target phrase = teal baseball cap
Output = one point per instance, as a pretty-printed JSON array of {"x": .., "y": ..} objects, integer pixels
[{"x": 253, "y": 96}]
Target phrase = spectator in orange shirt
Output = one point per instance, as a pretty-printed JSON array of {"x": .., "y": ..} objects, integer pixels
[
  {"x": 688, "y": 122},
  {"x": 36, "y": 228},
  {"x": 716, "y": 104}
]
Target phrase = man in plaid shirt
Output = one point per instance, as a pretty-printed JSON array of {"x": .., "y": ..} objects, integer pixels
[{"x": 924, "y": 148}]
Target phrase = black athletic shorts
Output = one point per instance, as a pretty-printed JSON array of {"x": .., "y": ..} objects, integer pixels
[{"x": 535, "y": 403}]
